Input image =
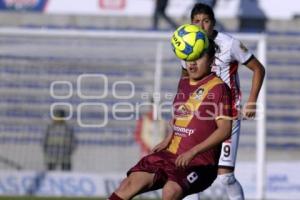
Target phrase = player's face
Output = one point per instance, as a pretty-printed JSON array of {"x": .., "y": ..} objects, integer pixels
[
  {"x": 199, "y": 68},
  {"x": 203, "y": 21}
]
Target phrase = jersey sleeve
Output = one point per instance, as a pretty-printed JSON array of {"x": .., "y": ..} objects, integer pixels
[
  {"x": 222, "y": 102},
  {"x": 183, "y": 64},
  {"x": 240, "y": 52}
]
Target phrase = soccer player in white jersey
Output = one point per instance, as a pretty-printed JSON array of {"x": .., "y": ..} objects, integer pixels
[{"x": 231, "y": 53}]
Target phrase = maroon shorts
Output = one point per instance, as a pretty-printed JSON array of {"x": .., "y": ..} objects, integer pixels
[{"x": 162, "y": 164}]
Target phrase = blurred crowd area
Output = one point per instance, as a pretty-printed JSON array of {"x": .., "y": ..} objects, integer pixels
[
  {"x": 138, "y": 23},
  {"x": 232, "y": 15}
]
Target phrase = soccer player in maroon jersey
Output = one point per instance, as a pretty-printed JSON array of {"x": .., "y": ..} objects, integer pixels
[
  {"x": 186, "y": 162},
  {"x": 231, "y": 53}
]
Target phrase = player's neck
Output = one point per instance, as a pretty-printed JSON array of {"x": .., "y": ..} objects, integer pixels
[{"x": 201, "y": 79}]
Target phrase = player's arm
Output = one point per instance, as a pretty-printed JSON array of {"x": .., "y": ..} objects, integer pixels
[
  {"x": 257, "y": 80},
  {"x": 218, "y": 136},
  {"x": 240, "y": 53}
]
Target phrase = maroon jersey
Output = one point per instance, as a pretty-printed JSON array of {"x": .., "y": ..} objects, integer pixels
[{"x": 197, "y": 106}]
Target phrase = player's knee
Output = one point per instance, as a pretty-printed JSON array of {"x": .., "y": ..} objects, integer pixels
[
  {"x": 227, "y": 179},
  {"x": 171, "y": 192}
]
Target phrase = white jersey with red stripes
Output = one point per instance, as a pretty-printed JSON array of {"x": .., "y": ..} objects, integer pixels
[{"x": 231, "y": 52}]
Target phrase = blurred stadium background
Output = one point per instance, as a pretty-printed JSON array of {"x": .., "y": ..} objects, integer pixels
[{"x": 46, "y": 42}]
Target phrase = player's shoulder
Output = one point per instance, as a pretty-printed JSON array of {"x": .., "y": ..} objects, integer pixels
[
  {"x": 224, "y": 39},
  {"x": 219, "y": 85},
  {"x": 184, "y": 80},
  {"x": 216, "y": 80}
]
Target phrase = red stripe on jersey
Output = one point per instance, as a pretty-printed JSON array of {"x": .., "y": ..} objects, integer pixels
[{"x": 234, "y": 87}]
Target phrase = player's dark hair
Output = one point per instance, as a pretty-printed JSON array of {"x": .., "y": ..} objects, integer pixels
[
  {"x": 212, "y": 48},
  {"x": 201, "y": 8}
]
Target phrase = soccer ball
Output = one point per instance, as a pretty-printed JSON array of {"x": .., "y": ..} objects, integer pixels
[{"x": 188, "y": 42}]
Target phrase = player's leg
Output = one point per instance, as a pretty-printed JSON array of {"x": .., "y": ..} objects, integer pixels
[
  {"x": 66, "y": 163},
  {"x": 66, "y": 166},
  {"x": 165, "y": 16},
  {"x": 132, "y": 185},
  {"x": 227, "y": 160},
  {"x": 171, "y": 191},
  {"x": 232, "y": 186},
  {"x": 51, "y": 166},
  {"x": 155, "y": 15}
]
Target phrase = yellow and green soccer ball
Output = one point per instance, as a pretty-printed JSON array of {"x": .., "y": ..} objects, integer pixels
[{"x": 188, "y": 42}]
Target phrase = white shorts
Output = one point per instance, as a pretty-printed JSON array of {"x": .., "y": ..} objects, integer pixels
[{"x": 230, "y": 146}]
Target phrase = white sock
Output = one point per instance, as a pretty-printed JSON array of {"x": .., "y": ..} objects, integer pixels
[{"x": 233, "y": 187}]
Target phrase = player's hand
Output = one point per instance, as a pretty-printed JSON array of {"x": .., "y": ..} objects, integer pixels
[
  {"x": 249, "y": 110},
  {"x": 161, "y": 146},
  {"x": 183, "y": 160}
]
